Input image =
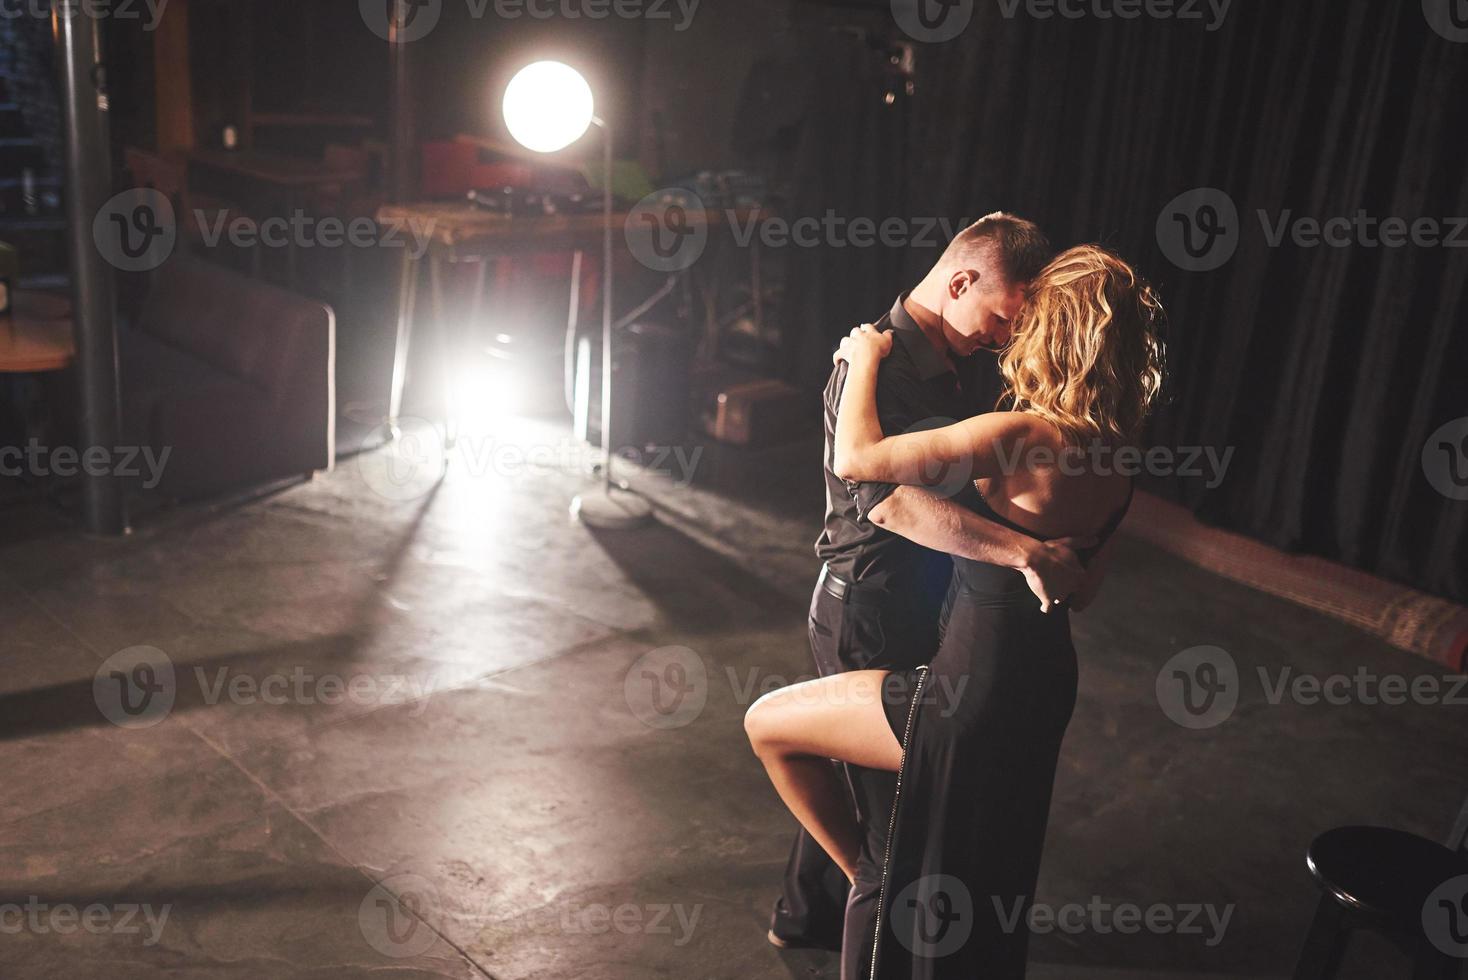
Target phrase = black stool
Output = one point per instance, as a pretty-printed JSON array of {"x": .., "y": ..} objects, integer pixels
[{"x": 1381, "y": 879}]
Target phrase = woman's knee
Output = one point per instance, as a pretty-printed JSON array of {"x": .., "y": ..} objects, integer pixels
[{"x": 762, "y": 725}]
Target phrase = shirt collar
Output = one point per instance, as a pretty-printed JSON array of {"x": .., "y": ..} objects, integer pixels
[{"x": 930, "y": 364}]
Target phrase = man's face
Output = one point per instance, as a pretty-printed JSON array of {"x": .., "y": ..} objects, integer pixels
[{"x": 979, "y": 312}]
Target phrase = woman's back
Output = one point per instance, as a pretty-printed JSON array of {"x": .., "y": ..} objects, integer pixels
[{"x": 1047, "y": 488}]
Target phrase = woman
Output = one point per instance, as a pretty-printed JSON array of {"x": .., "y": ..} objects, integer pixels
[{"x": 974, "y": 737}]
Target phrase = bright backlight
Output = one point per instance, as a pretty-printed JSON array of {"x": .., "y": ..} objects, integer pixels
[{"x": 548, "y": 106}]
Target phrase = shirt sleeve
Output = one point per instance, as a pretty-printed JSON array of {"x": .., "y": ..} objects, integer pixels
[{"x": 895, "y": 390}]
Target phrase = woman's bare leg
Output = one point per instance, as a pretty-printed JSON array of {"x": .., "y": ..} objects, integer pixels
[{"x": 797, "y": 730}]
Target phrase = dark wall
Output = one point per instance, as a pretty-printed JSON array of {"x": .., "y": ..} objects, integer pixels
[
  {"x": 695, "y": 80},
  {"x": 1326, "y": 369},
  {"x": 27, "y": 64}
]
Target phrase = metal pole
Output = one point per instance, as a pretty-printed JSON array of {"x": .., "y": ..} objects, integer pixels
[
  {"x": 606, "y": 312},
  {"x": 626, "y": 509},
  {"x": 88, "y": 187},
  {"x": 399, "y": 190},
  {"x": 400, "y": 106}
]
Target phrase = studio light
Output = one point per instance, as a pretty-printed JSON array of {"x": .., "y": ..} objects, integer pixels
[{"x": 548, "y": 106}]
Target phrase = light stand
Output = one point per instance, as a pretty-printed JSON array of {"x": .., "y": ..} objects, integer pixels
[
  {"x": 616, "y": 505},
  {"x": 548, "y": 106}
]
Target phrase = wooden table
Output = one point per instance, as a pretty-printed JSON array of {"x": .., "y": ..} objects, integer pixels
[
  {"x": 462, "y": 232},
  {"x": 37, "y": 336},
  {"x": 277, "y": 169}
]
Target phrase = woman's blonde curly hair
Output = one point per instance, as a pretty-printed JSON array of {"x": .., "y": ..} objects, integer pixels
[{"x": 1085, "y": 352}]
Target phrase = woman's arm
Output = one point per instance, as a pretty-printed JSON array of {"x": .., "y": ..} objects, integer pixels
[{"x": 864, "y": 452}]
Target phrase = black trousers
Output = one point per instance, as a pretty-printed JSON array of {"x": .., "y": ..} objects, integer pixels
[{"x": 816, "y": 906}]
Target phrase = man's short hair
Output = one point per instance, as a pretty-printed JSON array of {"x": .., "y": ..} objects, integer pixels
[{"x": 1014, "y": 248}]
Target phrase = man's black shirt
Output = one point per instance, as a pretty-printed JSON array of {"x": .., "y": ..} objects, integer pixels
[{"x": 915, "y": 384}]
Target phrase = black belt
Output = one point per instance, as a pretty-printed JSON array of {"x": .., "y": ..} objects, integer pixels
[{"x": 845, "y": 591}]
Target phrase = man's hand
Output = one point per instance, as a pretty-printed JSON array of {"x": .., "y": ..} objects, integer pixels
[
  {"x": 1050, "y": 567},
  {"x": 1053, "y": 571},
  {"x": 1095, "y": 575}
]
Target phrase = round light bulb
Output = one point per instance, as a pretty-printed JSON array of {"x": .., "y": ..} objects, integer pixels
[{"x": 548, "y": 106}]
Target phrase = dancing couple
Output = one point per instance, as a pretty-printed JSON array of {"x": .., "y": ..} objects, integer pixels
[{"x": 958, "y": 539}]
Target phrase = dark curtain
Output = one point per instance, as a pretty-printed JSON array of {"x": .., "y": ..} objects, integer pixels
[
  {"x": 1325, "y": 369},
  {"x": 850, "y": 161}
]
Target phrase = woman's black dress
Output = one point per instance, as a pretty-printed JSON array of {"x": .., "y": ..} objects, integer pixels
[{"x": 981, "y": 728}]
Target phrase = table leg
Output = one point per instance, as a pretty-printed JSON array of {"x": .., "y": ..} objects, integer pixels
[
  {"x": 407, "y": 299},
  {"x": 447, "y": 361},
  {"x": 573, "y": 321},
  {"x": 476, "y": 304}
]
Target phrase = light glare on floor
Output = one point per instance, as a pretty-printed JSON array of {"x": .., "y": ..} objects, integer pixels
[{"x": 485, "y": 398}]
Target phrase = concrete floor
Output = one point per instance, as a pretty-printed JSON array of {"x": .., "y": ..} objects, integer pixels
[{"x": 492, "y": 768}]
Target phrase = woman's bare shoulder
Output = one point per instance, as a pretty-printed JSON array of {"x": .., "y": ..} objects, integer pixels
[{"x": 1014, "y": 426}]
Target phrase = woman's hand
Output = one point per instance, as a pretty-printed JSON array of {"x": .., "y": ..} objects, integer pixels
[{"x": 866, "y": 343}]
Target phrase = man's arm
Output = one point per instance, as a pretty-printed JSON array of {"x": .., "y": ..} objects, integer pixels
[{"x": 1050, "y": 567}]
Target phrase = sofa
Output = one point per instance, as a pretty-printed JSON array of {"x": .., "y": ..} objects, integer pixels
[{"x": 234, "y": 377}]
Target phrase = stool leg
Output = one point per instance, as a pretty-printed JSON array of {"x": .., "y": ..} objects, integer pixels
[{"x": 1326, "y": 943}]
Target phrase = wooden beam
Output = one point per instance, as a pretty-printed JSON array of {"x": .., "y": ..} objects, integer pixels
[{"x": 172, "y": 79}]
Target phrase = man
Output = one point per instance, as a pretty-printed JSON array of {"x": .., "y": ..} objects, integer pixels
[{"x": 886, "y": 548}]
